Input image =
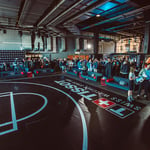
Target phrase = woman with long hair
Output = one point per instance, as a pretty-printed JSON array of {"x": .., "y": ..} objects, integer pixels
[{"x": 131, "y": 83}]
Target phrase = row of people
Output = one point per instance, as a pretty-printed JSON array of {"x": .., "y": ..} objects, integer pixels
[
  {"x": 143, "y": 81},
  {"x": 107, "y": 66},
  {"x": 29, "y": 64},
  {"x": 115, "y": 67}
]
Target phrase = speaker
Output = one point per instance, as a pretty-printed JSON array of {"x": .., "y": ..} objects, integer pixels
[{"x": 4, "y": 31}]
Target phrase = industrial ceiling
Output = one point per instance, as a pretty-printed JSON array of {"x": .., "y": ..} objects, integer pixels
[{"x": 72, "y": 17}]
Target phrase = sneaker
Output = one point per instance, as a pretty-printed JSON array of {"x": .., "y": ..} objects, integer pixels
[
  {"x": 138, "y": 96},
  {"x": 145, "y": 96}
]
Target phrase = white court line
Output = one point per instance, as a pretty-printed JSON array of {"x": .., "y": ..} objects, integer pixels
[
  {"x": 85, "y": 133},
  {"x": 31, "y": 115},
  {"x": 13, "y": 114},
  {"x": 4, "y": 94}
]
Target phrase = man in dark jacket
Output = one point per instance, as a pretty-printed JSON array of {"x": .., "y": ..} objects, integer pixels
[
  {"x": 124, "y": 69},
  {"x": 108, "y": 69}
]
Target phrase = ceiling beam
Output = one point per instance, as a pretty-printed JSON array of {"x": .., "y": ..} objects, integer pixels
[
  {"x": 55, "y": 6},
  {"x": 23, "y": 6},
  {"x": 66, "y": 11},
  {"x": 82, "y": 12},
  {"x": 125, "y": 15}
]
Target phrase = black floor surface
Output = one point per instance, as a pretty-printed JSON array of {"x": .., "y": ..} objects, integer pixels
[{"x": 61, "y": 113}]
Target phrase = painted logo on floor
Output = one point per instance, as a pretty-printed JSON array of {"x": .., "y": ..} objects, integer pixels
[
  {"x": 117, "y": 110},
  {"x": 115, "y": 104},
  {"x": 76, "y": 89},
  {"x": 104, "y": 103}
]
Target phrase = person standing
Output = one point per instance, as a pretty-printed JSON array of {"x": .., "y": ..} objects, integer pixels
[
  {"x": 124, "y": 69},
  {"x": 131, "y": 83},
  {"x": 90, "y": 65},
  {"x": 108, "y": 69},
  {"x": 147, "y": 81},
  {"x": 143, "y": 76}
]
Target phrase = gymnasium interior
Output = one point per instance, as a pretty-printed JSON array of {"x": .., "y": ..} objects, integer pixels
[{"x": 74, "y": 74}]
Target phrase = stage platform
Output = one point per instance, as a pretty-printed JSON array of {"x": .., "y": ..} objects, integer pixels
[{"x": 61, "y": 112}]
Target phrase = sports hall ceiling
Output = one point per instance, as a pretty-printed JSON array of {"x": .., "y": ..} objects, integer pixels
[{"x": 56, "y": 17}]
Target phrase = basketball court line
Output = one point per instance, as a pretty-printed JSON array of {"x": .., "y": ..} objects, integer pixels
[
  {"x": 31, "y": 115},
  {"x": 84, "y": 126},
  {"x": 4, "y": 94},
  {"x": 13, "y": 114}
]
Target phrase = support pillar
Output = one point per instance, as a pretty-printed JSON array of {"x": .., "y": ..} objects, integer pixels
[
  {"x": 146, "y": 49},
  {"x": 96, "y": 43},
  {"x": 115, "y": 47},
  {"x": 81, "y": 44},
  {"x": 51, "y": 43},
  {"x": 77, "y": 46}
]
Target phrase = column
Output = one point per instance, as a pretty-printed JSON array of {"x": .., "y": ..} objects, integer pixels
[
  {"x": 81, "y": 44},
  {"x": 146, "y": 49},
  {"x": 58, "y": 44},
  {"x": 85, "y": 44},
  {"x": 54, "y": 44},
  {"x": 33, "y": 40},
  {"x": 63, "y": 44},
  {"x": 141, "y": 44},
  {"x": 51, "y": 43},
  {"x": 115, "y": 47},
  {"x": 77, "y": 44},
  {"x": 96, "y": 43}
]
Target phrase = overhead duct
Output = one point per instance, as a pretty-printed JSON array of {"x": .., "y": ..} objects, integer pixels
[
  {"x": 44, "y": 18},
  {"x": 25, "y": 4},
  {"x": 62, "y": 14},
  {"x": 125, "y": 15},
  {"x": 82, "y": 12},
  {"x": 73, "y": 28}
]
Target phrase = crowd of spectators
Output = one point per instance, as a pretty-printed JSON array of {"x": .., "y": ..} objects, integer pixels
[
  {"x": 122, "y": 67},
  {"x": 109, "y": 67},
  {"x": 29, "y": 64}
]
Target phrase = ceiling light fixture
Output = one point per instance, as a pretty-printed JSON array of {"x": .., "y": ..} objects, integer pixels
[{"x": 98, "y": 15}]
